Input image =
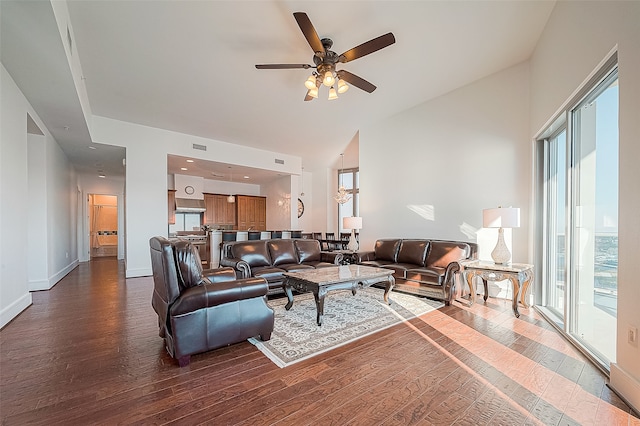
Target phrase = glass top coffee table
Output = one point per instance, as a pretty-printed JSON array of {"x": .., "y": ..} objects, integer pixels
[{"x": 322, "y": 280}]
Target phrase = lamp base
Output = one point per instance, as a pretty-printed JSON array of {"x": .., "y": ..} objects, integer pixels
[
  {"x": 353, "y": 243},
  {"x": 501, "y": 254}
]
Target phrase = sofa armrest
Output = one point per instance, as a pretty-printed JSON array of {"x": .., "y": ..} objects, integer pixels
[
  {"x": 451, "y": 270},
  {"x": 331, "y": 257},
  {"x": 243, "y": 268},
  {"x": 213, "y": 294},
  {"x": 366, "y": 255},
  {"x": 220, "y": 274}
]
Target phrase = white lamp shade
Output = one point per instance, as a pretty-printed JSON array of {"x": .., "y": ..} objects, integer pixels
[
  {"x": 352, "y": 222},
  {"x": 501, "y": 218}
]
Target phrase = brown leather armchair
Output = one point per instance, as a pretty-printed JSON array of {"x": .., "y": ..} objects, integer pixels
[{"x": 203, "y": 310}]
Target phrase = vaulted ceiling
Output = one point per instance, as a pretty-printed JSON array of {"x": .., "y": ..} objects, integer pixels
[{"x": 189, "y": 66}]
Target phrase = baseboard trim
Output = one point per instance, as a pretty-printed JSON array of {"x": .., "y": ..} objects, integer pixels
[
  {"x": 47, "y": 284},
  {"x": 14, "y": 309},
  {"x": 38, "y": 285},
  {"x": 138, "y": 272},
  {"x": 627, "y": 387}
]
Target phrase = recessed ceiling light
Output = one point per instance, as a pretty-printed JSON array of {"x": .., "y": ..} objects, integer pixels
[
  {"x": 189, "y": 161},
  {"x": 183, "y": 168},
  {"x": 246, "y": 177},
  {"x": 92, "y": 147},
  {"x": 101, "y": 175}
]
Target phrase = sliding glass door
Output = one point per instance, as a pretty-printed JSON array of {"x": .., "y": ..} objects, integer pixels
[
  {"x": 594, "y": 224},
  {"x": 555, "y": 200},
  {"x": 580, "y": 219}
]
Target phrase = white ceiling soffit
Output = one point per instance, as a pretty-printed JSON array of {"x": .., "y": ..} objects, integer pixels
[
  {"x": 190, "y": 66},
  {"x": 32, "y": 52}
]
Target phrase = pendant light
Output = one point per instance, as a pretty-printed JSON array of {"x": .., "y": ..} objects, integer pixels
[
  {"x": 342, "y": 196},
  {"x": 231, "y": 198},
  {"x": 302, "y": 182}
]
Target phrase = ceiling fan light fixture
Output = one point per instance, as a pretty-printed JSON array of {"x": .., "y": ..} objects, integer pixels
[
  {"x": 342, "y": 86},
  {"x": 311, "y": 82},
  {"x": 313, "y": 92},
  {"x": 328, "y": 79},
  {"x": 332, "y": 94}
]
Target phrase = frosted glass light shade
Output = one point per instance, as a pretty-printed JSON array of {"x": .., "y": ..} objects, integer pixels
[
  {"x": 328, "y": 79},
  {"x": 342, "y": 86},
  {"x": 310, "y": 83},
  {"x": 332, "y": 94}
]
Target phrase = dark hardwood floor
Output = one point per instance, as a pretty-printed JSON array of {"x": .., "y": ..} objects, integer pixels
[{"x": 88, "y": 352}]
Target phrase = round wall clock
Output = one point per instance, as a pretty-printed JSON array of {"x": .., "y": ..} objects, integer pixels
[
  {"x": 300, "y": 207},
  {"x": 189, "y": 190}
]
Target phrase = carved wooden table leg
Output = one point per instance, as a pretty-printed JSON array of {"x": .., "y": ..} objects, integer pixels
[
  {"x": 516, "y": 289},
  {"x": 469, "y": 275},
  {"x": 387, "y": 289},
  {"x": 287, "y": 290},
  {"x": 319, "y": 297}
]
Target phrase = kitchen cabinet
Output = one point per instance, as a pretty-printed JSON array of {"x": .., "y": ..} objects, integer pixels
[
  {"x": 251, "y": 212},
  {"x": 219, "y": 210},
  {"x": 171, "y": 202}
]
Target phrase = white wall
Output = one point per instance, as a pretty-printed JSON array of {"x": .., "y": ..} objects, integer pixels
[
  {"x": 16, "y": 202},
  {"x": 147, "y": 182},
  {"x": 37, "y": 234},
  {"x": 280, "y": 204},
  {"x": 430, "y": 171},
  {"x": 14, "y": 290},
  {"x": 576, "y": 39}
]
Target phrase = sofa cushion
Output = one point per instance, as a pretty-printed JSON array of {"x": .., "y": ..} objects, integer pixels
[
  {"x": 268, "y": 273},
  {"x": 442, "y": 253},
  {"x": 387, "y": 249},
  {"x": 413, "y": 251},
  {"x": 398, "y": 269},
  {"x": 282, "y": 252},
  {"x": 426, "y": 275},
  {"x": 320, "y": 264},
  {"x": 376, "y": 263},
  {"x": 308, "y": 250},
  {"x": 295, "y": 267},
  {"x": 255, "y": 253},
  {"x": 189, "y": 265}
]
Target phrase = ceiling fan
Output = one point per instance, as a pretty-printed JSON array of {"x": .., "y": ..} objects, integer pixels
[{"x": 325, "y": 61}]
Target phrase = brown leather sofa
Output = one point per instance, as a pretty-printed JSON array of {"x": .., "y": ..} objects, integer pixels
[
  {"x": 203, "y": 310},
  {"x": 269, "y": 259},
  {"x": 424, "y": 267}
]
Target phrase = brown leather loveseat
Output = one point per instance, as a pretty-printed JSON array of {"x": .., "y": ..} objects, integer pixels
[
  {"x": 203, "y": 310},
  {"x": 269, "y": 259},
  {"x": 421, "y": 266}
]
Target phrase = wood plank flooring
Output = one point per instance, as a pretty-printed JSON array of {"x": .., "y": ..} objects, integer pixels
[{"x": 88, "y": 352}]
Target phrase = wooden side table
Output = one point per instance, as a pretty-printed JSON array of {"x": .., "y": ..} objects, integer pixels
[{"x": 520, "y": 275}]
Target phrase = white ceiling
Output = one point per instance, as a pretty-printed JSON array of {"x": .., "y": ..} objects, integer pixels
[{"x": 189, "y": 66}]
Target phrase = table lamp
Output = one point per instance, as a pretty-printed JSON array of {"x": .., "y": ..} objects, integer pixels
[
  {"x": 501, "y": 218},
  {"x": 352, "y": 223}
]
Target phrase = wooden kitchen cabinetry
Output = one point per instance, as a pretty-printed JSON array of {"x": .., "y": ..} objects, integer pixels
[
  {"x": 219, "y": 211},
  {"x": 251, "y": 212},
  {"x": 171, "y": 204}
]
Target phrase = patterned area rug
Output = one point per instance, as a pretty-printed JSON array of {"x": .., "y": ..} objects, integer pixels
[{"x": 296, "y": 336}]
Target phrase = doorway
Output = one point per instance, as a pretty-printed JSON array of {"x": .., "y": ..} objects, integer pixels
[{"x": 103, "y": 225}]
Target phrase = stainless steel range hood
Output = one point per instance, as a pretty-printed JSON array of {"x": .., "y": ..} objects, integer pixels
[{"x": 190, "y": 205}]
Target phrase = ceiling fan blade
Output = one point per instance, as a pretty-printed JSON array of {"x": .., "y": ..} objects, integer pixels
[
  {"x": 309, "y": 31},
  {"x": 359, "y": 82},
  {"x": 283, "y": 66},
  {"x": 368, "y": 47},
  {"x": 308, "y": 98}
]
